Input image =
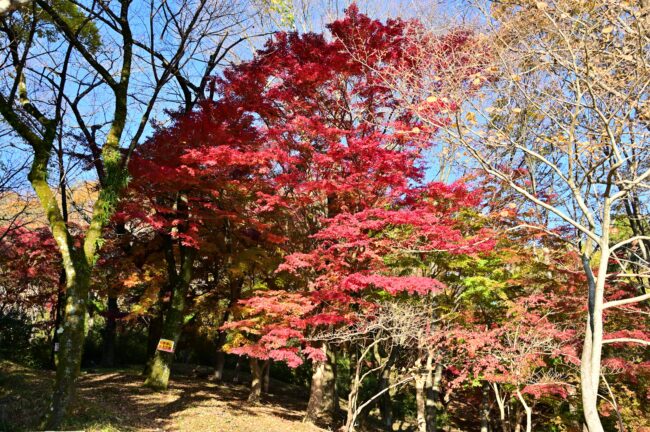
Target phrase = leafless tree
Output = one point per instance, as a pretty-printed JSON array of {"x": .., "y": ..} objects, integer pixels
[
  {"x": 101, "y": 71},
  {"x": 394, "y": 330},
  {"x": 554, "y": 105}
]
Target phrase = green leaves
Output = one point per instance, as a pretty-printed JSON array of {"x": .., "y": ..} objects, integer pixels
[
  {"x": 84, "y": 27},
  {"x": 282, "y": 8}
]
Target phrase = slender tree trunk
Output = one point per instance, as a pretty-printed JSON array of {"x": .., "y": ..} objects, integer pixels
[
  {"x": 385, "y": 402},
  {"x": 430, "y": 403},
  {"x": 108, "y": 350},
  {"x": 527, "y": 410},
  {"x": 421, "y": 401},
  {"x": 235, "y": 294},
  {"x": 485, "y": 408},
  {"x": 220, "y": 361},
  {"x": 58, "y": 319},
  {"x": 505, "y": 425},
  {"x": 235, "y": 377},
  {"x": 323, "y": 400},
  {"x": 158, "y": 377},
  {"x": 592, "y": 348},
  {"x": 352, "y": 403},
  {"x": 60, "y": 296},
  {"x": 435, "y": 397}
]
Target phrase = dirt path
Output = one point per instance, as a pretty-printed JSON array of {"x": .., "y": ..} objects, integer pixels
[{"x": 116, "y": 401}]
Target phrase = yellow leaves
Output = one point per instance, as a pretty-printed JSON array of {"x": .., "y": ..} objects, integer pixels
[
  {"x": 132, "y": 280},
  {"x": 541, "y": 5},
  {"x": 608, "y": 29},
  {"x": 470, "y": 117},
  {"x": 415, "y": 130},
  {"x": 515, "y": 78},
  {"x": 237, "y": 340},
  {"x": 516, "y": 110},
  {"x": 432, "y": 99}
]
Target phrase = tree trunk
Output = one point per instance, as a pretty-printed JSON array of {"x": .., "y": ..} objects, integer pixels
[
  {"x": 158, "y": 377},
  {"x": 592, "y": 347},
  {"x": 58, "y": 319},
  {"x": 221, "y": 357},
  {"x": 235, "y": 294},
  {"x": 485, "y": 408},
  {"x": 154, "y": 331},
  {"x": 352, "y": 403},
  {"x": 71, "y": 344},
  {"x": 434, "y": 398},
  {"x": 501, "y": 403},
  {"x": 420, "y": 401},
  {"x": 153, "y": 336},
  {"x": 385, "y": 402},
  {"x": 257, "y": 376},
  {"x": 528, "y": 410},
  {"x": 323, "y": 400},
  {"x": 108, "y": 350},
  {"x": 266, "y": 380},
  {"x": 235, "y": 376}
]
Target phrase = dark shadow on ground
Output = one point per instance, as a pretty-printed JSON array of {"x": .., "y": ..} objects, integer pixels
[{"x": 115, "y": 400}]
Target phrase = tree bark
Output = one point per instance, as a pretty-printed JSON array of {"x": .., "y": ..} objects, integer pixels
[
  {"x": 485, "y": 408},
  {"x": 501, "y": 403},
  {"x": 323, "y": 400},
  {"x": 592, "y": 348},
  {"x": 266, "y": 379},
  {"x": 235, "y": 294},
  {"x": 72, "y": 335},
  {"x": 257, "y": 377},
  {"x": 528, "y": 410},
  {"x": 421, "y": 402},
  {"x": 158, "y": 377},
  {"x": 385, "y": 402},
  {"x": 220, "y": 360},
  {"x": 153, "y": 334},
  {"x": 58, "y": 319},
  {"x": 434, "y": 398},
  {"x": 108, "y": 350},
  {"x": 235, "y": 376}
]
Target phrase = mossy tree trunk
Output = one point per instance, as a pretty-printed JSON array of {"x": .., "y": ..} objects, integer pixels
[
  {"x": 58, "y": 319},
  {"x": 77, "y": 261},
  {"x": 158, "y": 377},
  {"x": 155, "y": 330}
]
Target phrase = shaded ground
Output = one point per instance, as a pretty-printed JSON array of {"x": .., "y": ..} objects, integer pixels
[{"x": 114, "y": 400}]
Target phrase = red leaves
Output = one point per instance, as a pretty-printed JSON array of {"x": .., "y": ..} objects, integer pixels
[
  {"x": 31, "y": 267},
  {"x": 392, "y": 284},
  {"x": 305, "y": 146}
]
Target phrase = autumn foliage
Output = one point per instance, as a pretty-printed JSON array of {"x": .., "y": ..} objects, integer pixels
[{"x": 294, "y": 212}]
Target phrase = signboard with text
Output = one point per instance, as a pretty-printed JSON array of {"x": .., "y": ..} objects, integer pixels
[{"x": 166, "y": 345}]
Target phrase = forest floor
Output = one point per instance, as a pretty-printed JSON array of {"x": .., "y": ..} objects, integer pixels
[{"x": 115, "y": 400}]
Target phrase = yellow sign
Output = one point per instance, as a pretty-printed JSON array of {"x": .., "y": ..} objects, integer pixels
[{"x": 166, "y": 345}]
